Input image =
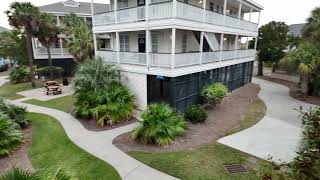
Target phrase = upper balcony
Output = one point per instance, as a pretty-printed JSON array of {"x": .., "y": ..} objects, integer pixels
[{"x": 231, "y": 13}]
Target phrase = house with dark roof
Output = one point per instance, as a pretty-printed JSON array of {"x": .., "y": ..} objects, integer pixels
[
  {"x": 59, "y": 52},
  {"x": 296, "y": 29}
]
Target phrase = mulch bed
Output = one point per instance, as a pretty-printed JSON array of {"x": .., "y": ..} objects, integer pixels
[
  {"x": 221, "y": 119},
  {"x": 295, "y": 91},
  {"x": 91, "y": 125},
  {"x": 19, "y": 158}
]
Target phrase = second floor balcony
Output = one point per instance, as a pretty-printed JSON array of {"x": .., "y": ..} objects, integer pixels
[{"x": 234, "y": 15}]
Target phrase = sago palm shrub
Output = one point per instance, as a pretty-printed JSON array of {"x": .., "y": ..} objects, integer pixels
[
  {"x": 15, "y": 113},
  {"x": 160, "y": 125},
  {"x": 10, "y": 135}
]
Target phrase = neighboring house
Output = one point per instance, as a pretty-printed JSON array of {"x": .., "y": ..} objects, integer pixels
[
  {"x": 3, "y": 60},
  {"x": 296, "y": 29},
  {"x": 59, "y": 52},
  {"x": 168, "y": 50}
]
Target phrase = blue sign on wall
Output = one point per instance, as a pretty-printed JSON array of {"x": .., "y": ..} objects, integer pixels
[{"x": 161, "y": 77}]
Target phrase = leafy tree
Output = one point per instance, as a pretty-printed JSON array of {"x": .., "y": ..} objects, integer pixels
[
  {"x": 13, "y": 45},
  {"x": 311, "y": 30},
  {"x": 71, "y": 21},
  {"x": 214, "y": 93},
  {"x": 23, "y": 16},
  {"x": 273, "y": 40},
  {"x": 81, "y": 44},
  {"x": 47, "y": 34}
]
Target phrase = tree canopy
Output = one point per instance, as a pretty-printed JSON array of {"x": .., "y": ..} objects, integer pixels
[{"x": 311, "y": 30}]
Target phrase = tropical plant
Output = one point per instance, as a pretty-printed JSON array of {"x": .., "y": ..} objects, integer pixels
[
  {"x": 45, "y": 71},
  {"x": 47, "y": 34},
  {"x": 10, "y": 135},
  {"x": 311, "y": 30},
  {"x": 160, "y": 125},
  {"x": 105, "y": 106},
  {"x": 13, "y": 45},
  {"x": 19, "y": 74},
  {"x": 41, "y": 174},
  {"x": 195, "y": 114},
  {"x": 70, "y": 21},
  {"x": 94, "y": 75},
  {"x": 23, "y": 16},
  {"x": 214, "y": 93},
  {"x": 15, "y": 113},
  {"x": 273, "y": 40},
  {"x": 81, "y": 44}
]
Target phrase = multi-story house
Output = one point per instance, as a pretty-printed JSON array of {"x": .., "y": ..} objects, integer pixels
[
  {"x": 59, "y": 52},
  {"x": 167, "y": 50}
]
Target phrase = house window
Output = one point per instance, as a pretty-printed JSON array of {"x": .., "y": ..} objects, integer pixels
[
  {"x": 155, "y": 36},
  {"x": 211, "y": 6},
  {"x": 124, "y": 42},
  {"x": 122, "y": 4},
  {"x": 184, "y": 43}
]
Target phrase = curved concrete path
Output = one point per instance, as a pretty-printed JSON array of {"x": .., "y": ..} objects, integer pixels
[{"x": 279, "y": 133}]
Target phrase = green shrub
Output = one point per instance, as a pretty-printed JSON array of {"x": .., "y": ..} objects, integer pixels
[
  {"x": 19, "y": 74},
  {"x": 160, "y": 125},
  {"x": 195, "y": 114},
  {"x": 214, "y": 93},
  {"x": 10, "y": 135},
  {"x": 16, "y": 113},
  {"x": 45, "y": 71},
  {"x": 100, "y": 96}
]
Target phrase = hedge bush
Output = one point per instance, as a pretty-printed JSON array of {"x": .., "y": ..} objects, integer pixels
[
  {"x": 20, "y": 74},
  {"x": 160, "y": 125},
  {"x": 195, "y": 114},
  {"x": 45, "y": 71},
  {"x": 214, "y": 93}
]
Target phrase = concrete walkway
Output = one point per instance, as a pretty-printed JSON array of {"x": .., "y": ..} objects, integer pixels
[
  {"x": 100, "y": 144},
  {"x": 3, "y": 79},
  {"x": 279, "y": 133}
]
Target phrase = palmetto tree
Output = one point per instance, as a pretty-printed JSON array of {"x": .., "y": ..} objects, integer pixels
[
  {"x": 23, "y": 16},
  {"x": 47, "y": 35},
  {"x": 81, "y": 44},
  {"x": 311, "y": 31}
]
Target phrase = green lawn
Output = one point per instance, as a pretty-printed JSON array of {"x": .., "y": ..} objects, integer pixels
[
  {"x": 9, "y": 90},
  {"x": 203, "y": 163},
  {"x": 63, "y": 103},
  {"x": 51, "y": 147},
  {"x": 254, "y": 113},
  {"x": 207, "y": 162}
]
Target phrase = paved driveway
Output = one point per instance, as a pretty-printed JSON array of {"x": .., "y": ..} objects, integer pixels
[{"x": 279, "y": 133}]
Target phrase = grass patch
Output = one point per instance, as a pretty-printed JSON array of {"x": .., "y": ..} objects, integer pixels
[
  {"x": 64, "y": 103},
  {"x": 203, "y": 163},
  {"x": 9, "y": 91},
  {"x": 51, "y": 147},
  {"x": 253, "y": 114}
]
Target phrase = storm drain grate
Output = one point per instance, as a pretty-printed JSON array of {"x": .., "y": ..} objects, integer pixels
[{"x": 235, "y": 168}]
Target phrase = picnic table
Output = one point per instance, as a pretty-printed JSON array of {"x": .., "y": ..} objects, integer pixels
[{"x": 52, "y": 87}]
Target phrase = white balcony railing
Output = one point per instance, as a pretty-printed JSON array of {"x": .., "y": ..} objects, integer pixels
[
  {"x": 208, "y": 57},
  {"x": 160, "y": 59},
  {"x": 132, "y": 58},
  {"x": 162, "y": 10},
  {"x": 187, "y": 59},
  {"x": 227, "y": 55},
  {"x": 109, "y": 56}
]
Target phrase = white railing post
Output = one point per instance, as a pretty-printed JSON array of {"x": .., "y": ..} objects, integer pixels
[
  {"x": 221, "y": 46},
  {"x": 118, "y": 47},
  {"x": 201, "y": 47},
  {"x": 173, "y": 47},
  {"x": 61, "y": 48},
  {"x": 115, "y": 9},
  {"x": 148, "y": 45},
  {"x": 236, "y": 47}
]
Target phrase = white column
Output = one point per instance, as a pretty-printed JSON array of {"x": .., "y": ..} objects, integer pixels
[
  {"x": 147, "y": 10},
  {"x": 148, "y": 48},
  {"x": 204, "y": 10},
  {"x": 92, "y": 12},
  {"x": 173, "y": 47},
  {"x": 115, "y": 9},
  {"x": 250, "y": 15},
  {"x": 201, "y": 46},
  {"x": 247, "y": 45},
  {"x": 174, "y": 8},
  {"x": 221, "y": 46},
  {"x": 118, "y": 47},
  {"x": 61, "y": 48},
  {"x": 236, "y": 46},
  {"x": 259, "y": 17},
  {"x": 239, "y": 12},
  {"x": 224, "y": 11},
  {"x": 58, "y": 21},
  {"x": 94, "y": 35},
  {"x": 256, "y": 43}
]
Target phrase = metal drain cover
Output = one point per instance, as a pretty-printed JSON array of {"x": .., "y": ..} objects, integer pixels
[{"x": 235, "y": 168}]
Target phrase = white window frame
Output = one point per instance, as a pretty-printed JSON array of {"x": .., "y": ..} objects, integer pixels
[
  {"x": 124, "y": 42},
  {"x": 155, "y": 42},
  {"x": 184, "y": 42},
  {"x": 123, "y": 4}
]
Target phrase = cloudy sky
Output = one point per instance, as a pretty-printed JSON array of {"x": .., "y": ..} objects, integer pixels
[{"x": 289, "y": 11}]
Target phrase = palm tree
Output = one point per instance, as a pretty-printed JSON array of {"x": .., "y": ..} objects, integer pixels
[
  {"x": 311, "y": 31},
  {"x": 23, "y": 16},
  {"x": 47, "y": 34},
  {"x": 81, "y": 44}
]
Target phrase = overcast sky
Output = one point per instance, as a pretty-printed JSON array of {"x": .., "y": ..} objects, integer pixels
[{"x": 289, "y": 11}]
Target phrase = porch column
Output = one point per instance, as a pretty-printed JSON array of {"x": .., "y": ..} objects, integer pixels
[
  {"x": 173, "y": 47},
  {"x": 256, "y": 43},
  {"x": 221, "y": 46},
  {"x": 174, "y": 8},
  {"x": 250, "y": 14},
  {"x": 259, "y": 17},
  {"x": 236, "y": 46},
  {"x": 118, "y": 47},
  {"x": 247, "y": 45},
  {"x": 147, "y": 9},
  {"x": 148, "y": 48},
  {"x": 61, "y": 48},
  {"x": 204, "y": 10},
  {"x": 224, "y": 11},
  {"x": 94, "y": 35},
  {"x": 115, "y": 8},
  {"x": 239, "y": 12},
  {"x": 201, "y": 46}
]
